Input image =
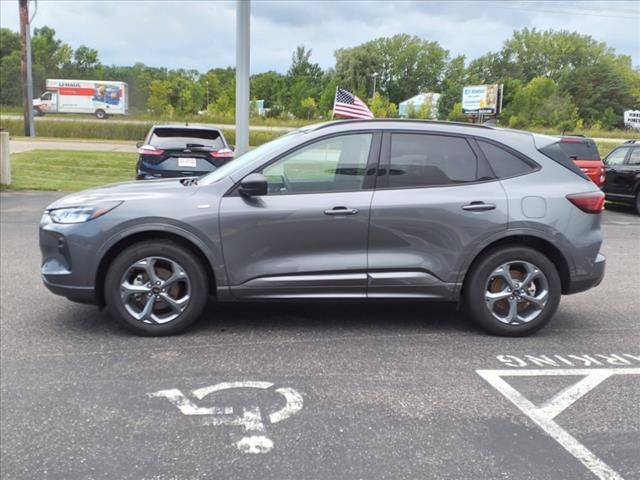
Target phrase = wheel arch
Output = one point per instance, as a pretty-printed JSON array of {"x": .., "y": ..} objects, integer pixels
[
  {"x": 125, "y": 242},
  {"x": 543, "y": 246}
]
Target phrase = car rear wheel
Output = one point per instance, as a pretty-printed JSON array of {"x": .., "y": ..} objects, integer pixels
[
  {"x": 512, "y": 291},
  {"x": 156, "y": 288},
  {"x": 638, "y": 202}
]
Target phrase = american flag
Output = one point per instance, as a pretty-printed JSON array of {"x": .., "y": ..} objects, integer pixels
[{"x": 349, "y": 106}]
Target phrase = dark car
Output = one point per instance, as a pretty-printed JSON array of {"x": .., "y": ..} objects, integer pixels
[
  {"x": 584, "y": 153},
  {"x": 181, "y": 151},
  {"x": 622, "y": 167}
]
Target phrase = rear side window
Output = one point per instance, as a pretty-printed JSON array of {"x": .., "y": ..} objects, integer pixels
[
  {"x": 180, "y": 137},
  {"x": 504, "y": 163},
  {"x": 419, "y": 160},
  {"x": 580, "y": 149},
  {"x": 556, "y": 152},
  {"x": 634, "y": 158}
]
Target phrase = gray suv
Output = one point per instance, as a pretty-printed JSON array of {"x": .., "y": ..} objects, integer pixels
[{"x": 501, "y": 221}]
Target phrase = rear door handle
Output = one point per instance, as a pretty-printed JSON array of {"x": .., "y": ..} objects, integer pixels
[
  {"x": 341, "y": 211},
  {"x": 479, "y": 207}
]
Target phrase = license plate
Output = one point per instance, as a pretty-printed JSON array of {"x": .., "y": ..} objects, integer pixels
[{"x": 187, "y": 162}]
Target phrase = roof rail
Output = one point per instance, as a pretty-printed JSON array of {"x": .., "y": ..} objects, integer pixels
[
  {"x": 632, "y": 141},
  {"x": 401, "y": 120}
]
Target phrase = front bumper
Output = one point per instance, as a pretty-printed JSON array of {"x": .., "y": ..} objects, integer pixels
[
  {"x": 68, "y": 262},
  {"x": 75, "y": 294},
  {"x": 585, "y": 282}
]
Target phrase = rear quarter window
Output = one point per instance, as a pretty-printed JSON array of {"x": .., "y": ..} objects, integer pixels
[
  {"x": 556, "y": 152},
  {"x": 504, "y": 163}
]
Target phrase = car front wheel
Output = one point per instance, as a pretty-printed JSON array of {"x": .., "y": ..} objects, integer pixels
[
  {"x": 156, "y": 288},
  {"x": 512, "y": 291}
]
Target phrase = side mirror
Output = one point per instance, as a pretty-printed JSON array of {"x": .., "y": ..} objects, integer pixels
[
  {"x": 254, "y": 185},
  {"x": 139, "y": 144}
]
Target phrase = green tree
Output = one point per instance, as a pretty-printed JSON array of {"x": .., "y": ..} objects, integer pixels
[
  {"x": 9, "y": 42},
  {"x": 269, "y": 86},
  {"x": 454, "y": 79},
  {"x": 159, "y": 96},
  {"x": 405, "y": 66},
  {"x": 308, "y": 106},
  {"x": 381, "y": 107},
  {"x": 541, "y": 104}
]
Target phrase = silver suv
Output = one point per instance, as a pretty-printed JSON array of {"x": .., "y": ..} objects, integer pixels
[{"x": 501, "y": 221}]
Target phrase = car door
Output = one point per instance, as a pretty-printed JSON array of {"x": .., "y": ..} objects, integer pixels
[
  {"x": 308, "y": 236},
  {"x": 435, "y": 199},
  {"x": 629, "y": 173},
  {"x": 614, "y": 169}
]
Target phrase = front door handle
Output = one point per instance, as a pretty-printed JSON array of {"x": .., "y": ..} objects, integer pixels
[
  {"x": 341, "y": 211},
  {"x": 479, "y": 207}
]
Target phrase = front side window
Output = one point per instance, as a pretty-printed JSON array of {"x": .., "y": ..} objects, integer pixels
[
  {"x": 330, "y": 165},
  {"x": 419, "y": 160},
  {"x": 46, "y": 96},
  {"x": 617, "y": 156}
]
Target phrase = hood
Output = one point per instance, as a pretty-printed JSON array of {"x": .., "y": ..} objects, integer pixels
[{"x": 126, "y": 191}]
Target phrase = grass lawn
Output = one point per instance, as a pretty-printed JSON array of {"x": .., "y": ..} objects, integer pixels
[{"x": 70, "y": 170}]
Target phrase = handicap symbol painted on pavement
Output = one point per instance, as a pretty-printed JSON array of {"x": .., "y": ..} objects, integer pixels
[{"x": 250, "y": 418}]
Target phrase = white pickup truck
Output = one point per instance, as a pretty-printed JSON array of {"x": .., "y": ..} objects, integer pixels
[{"x": 96, "y": 97}]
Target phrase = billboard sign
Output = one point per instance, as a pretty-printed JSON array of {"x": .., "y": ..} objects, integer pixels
[{"x": 481, "y": 99}]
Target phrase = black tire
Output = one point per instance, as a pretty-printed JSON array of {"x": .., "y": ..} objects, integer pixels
[
  {"x": 638, "y": 202},
  {"x": 198, "y": 285},
  {"x": 480, "y": 274},
  {"x": 101, "y": 114}
]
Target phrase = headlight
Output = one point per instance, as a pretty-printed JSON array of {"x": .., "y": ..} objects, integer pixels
[{"x": 81, "y": 214}]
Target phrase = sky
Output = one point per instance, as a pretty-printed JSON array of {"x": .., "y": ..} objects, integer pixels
[{"x": 201, "y": 34}]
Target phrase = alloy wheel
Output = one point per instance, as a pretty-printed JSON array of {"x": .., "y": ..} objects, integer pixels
[
  {"x": 155, "y": 290},
  {"x": 516, "y": 292}
]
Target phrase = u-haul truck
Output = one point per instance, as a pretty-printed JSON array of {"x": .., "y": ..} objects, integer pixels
[{"x": 97, "y": 97}]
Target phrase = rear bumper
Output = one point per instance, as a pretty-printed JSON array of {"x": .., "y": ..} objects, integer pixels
[{"x": 585, "y": 282}]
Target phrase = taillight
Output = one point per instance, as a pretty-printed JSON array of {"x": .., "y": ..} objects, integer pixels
[
  {"x": 149, "y": 150},
  {"x": 589, "y": 202},
  {"x": 222, "y": 153}
]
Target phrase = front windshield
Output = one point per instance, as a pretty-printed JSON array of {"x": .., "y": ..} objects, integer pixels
[{"x": 246, "y": 158}]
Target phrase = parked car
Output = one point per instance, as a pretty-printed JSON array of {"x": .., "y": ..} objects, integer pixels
[
  {"x": 584, "y": 153},
  {"x": 622, "y": 165},
  {"x": 181, "y": 151},
  {"x": 501, "y": 221}
]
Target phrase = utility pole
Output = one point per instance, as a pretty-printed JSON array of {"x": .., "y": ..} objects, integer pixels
[
  {"x": 375, "y": 75},
  {"x": 243, "y": 13},
  {"x": 25, "y": 70}
]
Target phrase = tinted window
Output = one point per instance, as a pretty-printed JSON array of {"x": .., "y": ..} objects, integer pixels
[
  {"x": 504, "y": 163},
  {"x": 180, "y": 137},
  {"x": 634, "y": 158},
  {"x": 425, "y": 160},
  {"x": 582, "y": 149},
  {"x": 556, "y": 153},
  {"x": 617, "y": 156},
  {"x": 331, "y": 165}
]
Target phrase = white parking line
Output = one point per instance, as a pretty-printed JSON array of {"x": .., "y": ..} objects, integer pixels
[{"x": 543, "y": 416}]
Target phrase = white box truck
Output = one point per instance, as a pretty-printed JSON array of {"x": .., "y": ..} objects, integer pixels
[
  {"x": 96, "y": 97},
  {"x": 632, "y": 119}
]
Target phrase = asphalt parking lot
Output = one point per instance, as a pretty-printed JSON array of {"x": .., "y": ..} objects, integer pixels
[{"x": 317, "y": 391}]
